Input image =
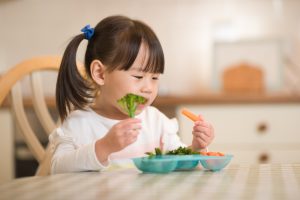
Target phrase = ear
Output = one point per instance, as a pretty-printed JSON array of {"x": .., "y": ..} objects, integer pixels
[{"x": 98, "y": 72}]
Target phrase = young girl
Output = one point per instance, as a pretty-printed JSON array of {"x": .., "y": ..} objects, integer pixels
[{"x": 122, "y": 56}]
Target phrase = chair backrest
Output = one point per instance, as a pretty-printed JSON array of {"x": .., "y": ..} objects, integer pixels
[{"x": 10, "y": 84}]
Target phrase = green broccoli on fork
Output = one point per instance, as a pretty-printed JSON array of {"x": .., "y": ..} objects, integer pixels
[{"x": 130, "y": 102}]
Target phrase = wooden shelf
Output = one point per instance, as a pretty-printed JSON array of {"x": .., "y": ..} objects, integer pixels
[{"x": 225, "y": 99}]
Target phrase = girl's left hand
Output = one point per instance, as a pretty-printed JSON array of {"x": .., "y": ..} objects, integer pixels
[{"x": 203, "y": 135}]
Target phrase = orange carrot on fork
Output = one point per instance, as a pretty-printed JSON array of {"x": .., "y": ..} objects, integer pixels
[{"x": 190, "y": 115}]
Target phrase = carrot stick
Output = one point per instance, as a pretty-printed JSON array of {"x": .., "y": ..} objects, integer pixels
[{"x": 190, "y": 115}]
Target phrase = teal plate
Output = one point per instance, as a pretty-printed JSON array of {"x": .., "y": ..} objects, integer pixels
[
  {"x": 215, "y": 163},
  {"x": 169, "y": 163},
  {"x": 155, "y": 165}
]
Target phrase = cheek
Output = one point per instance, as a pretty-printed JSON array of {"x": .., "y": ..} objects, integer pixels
[
  {"x": 155, "y": 86},
  {"x": 155, "y": 90},
  {"x": 119, "y": 88},
  {"x": 128, "y": 86}
]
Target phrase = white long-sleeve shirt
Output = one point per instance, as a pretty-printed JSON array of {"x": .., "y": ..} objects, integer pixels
[{"x": 73, "y": 142}]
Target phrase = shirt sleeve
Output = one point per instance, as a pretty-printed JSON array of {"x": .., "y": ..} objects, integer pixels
[
  {"x": 170, "y": 139},
  {"x": 71, "y": 157}
]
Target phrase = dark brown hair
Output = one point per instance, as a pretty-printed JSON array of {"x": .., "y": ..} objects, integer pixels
[{"x": 116, "y": 43}]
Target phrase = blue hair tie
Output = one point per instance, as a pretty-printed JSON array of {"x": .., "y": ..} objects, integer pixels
[{"x": 88, "y": 32}]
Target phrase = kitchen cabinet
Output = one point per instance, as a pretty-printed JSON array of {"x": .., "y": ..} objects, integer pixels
[{"x": 257, "y": 132}]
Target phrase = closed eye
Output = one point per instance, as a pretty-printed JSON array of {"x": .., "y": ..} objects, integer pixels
[
  {"x": 138, "y": 77},
  {"x": 155, "y": 78}
]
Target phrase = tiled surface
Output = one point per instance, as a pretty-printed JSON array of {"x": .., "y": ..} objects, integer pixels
[{"x": 234, "y": 182}]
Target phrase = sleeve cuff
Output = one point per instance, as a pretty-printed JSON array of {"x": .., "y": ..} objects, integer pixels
[{"x": 94, "y": 160}]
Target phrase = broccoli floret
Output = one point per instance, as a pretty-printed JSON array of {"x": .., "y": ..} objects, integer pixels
[
  {"x": 181, "y": 151},
  {"x": 158, "y": 152},
  {"x": 130, "y": 102},
  {"x": 178, "y": 151}
]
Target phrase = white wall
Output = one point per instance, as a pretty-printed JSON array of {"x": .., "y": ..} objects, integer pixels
[{"x": 186, "y": 28}]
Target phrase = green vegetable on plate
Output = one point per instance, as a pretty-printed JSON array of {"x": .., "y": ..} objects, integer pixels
[{"x": 178, "y": 151}]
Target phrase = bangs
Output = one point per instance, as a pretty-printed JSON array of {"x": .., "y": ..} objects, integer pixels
[
  {"x": 128, "y": 49},
  {"x": 129, "y": 46},
  {"x": 155, "y": 62}
]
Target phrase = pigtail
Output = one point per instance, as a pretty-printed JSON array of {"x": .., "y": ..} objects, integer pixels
[{"x": 72, "y": 90}]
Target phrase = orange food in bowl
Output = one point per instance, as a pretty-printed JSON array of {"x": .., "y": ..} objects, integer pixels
[{"x": 211, "y": 153}]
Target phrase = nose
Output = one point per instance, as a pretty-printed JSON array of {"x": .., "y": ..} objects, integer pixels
[{"x": 147, "y": 87}]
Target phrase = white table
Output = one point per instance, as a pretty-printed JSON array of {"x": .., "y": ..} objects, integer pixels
[{"x": 234, "y": 182}]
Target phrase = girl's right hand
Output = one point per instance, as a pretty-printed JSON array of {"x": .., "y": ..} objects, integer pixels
[{"x": 121, "y": 135}]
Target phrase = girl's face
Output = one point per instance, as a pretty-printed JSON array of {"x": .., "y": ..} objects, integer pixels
[{"x": 118, "y": 83}]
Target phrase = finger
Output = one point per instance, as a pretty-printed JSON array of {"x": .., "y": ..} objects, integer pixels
[
  {"x": 132, "y": 138},
  {"x": 132, "y": 133},
  {"x": 200, "y": 128},
  {"x": 129, "y": 121},
  {"x": 202, "y": 143},
  {"x": 132, "y": 126},
  {"x": 205, "y": 139},
  {"x": 205, "y": 130},
  {"x": 201, "y": 136},
  {"x": 132, "y": 120},
  {"x": 201, "y": 118},
  {"x": 203, "y": 124}
]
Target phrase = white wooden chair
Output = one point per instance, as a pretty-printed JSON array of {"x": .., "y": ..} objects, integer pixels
[{"x": 10, "y": 85}]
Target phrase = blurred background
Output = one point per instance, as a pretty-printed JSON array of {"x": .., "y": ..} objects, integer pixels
[{"x": 237, "y": 62}]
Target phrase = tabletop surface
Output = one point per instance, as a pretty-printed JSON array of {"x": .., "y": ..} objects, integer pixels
[{"x": 266, "y": 181}]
